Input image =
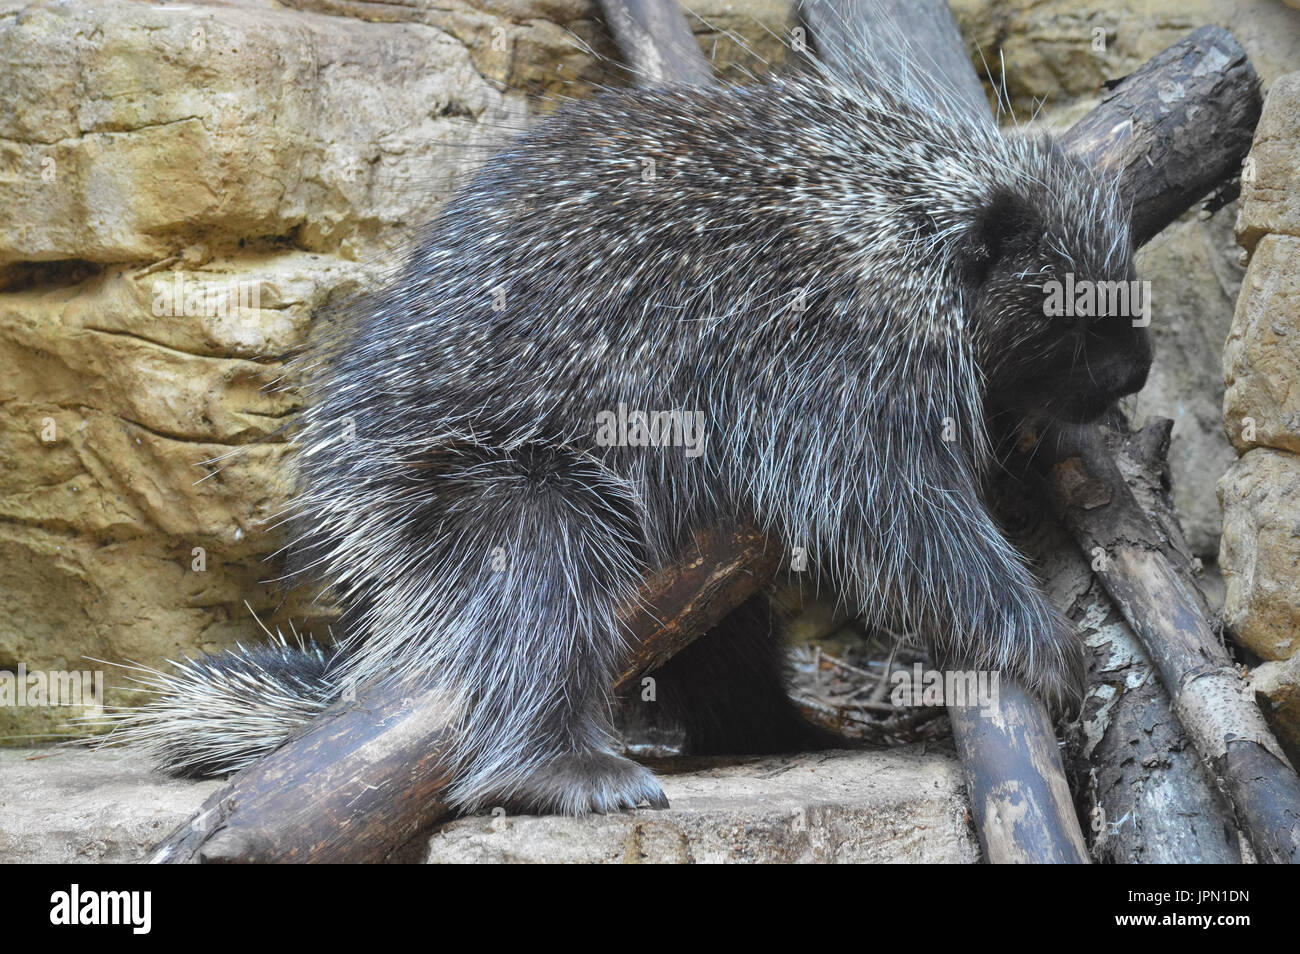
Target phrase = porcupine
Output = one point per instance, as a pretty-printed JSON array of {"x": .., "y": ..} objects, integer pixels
[{"x": 842, "y": 280}]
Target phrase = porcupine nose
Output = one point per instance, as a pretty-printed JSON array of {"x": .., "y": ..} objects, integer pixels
[
  {"x": 1137, "y": 377},
  {"x": 1139, "y": 363}
]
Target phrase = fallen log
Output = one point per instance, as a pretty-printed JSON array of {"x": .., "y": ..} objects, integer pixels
[
  {"x": 1149, "y": 581},
  {"x": 1020, "y": 800},
  {"x": 365, "y": 777},
  {"x": 686, "y": 599},
  {"x": 1142, "y": 792},
  {"x": 1175, "y": 129}
]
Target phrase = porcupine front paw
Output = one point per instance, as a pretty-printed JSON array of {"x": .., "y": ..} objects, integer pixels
[
  {"x": 581, "y": 783},
  {"x": 1041, "y": 652}
]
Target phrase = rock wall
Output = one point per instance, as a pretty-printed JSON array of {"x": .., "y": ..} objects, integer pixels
[
  {"x": 1261, "y": 409},
  {"x": 186, "y": 186}
]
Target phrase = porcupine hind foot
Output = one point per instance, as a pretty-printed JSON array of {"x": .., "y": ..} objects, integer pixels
[{"x": 589, "y": 781}]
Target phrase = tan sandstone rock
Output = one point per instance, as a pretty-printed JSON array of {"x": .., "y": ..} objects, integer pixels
[
  {"x": 143, "y": 461},
  {"x": 134, "y": 130},
  {"x": 1260, "y": 554},
  {"x": 1277, "y": 690},
  {"x": 68, "y": 807},
  {"x": 1261, "y": 551},
  {"x": 1261, "y": 360},
  {"x": 560, "y": 48},
  {"x": 1270, "y": 198}
]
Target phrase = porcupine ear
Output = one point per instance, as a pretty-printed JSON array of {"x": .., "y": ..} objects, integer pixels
[{"x": 1003, "y": 223}]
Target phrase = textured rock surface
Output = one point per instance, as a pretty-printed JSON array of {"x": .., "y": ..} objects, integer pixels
[
  {"x": 1195, "y": 278},
  {"x": 82, "y": 806},
  {"x": 897, "y": 806},
  {"x": 1261, "y": 361},
  {"x": 136, "y": 130},
  {"x": 112, "y": 543},
  {"x": 546, "y": 47},
  {"x": 1270, "y": 199},
  {"x": 1277, "y": 689},
  {"x": 1260, "y": 554},
  {"x": 59, "y": 806}
]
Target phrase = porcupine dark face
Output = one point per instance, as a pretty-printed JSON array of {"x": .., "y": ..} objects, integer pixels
[{"x": 1057, "y": 235}]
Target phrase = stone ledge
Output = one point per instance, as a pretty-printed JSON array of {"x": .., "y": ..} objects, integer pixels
[
  {"x": 845, "y": 807},
  {"x": 61, "y": 805}
]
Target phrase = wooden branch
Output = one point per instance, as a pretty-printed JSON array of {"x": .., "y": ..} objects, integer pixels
[
  {"x": 1152, "y": 591},
  {"x": 1019, "y": 797},
  {"x": 722, "y": 571},
  {"x": 1159, "y": 802},
  {"x": 1143, "y": 793},
  {"x": 354, "y": 786},
  {"x": 914, "y": 44},
  {"x": 657, "y": 43},
  {"x": 1150, "y": 798},
  {"x": 364, "y": 778},
  {"x": 1174, "y": 130}
]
